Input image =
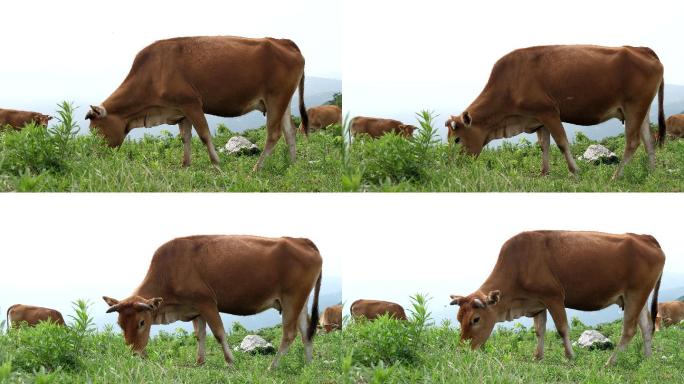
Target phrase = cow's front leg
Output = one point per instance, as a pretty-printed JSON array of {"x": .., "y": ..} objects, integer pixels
[
  {"x": 186, "y": 134},
  {"x": 560, "y": 319},
  {"x": 540, "y": 330},
  {"x": 544, "y": 139},
  {"x": 201, "y": 333}
]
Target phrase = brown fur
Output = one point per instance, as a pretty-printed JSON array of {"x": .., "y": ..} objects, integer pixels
[
  {"x": 536, "y": 89},
  {"x": 32, "y": 315},
  {"x": 322, "y": 116},
  {"x": 376, "y": 127},
  {"x": 198, "y": 277},
  {"x": 372, "y": 309},
  {"x": 669, "y": 313},
  {"x": 177, "y": 81},
  {"x": 553, "y": 270},
  {"x": 18, "y": 119},
  {"x": 332, "y": 318},
  {"x": 675, "y": 126}
]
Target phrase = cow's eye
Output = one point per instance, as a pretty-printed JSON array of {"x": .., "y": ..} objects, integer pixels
[
  {"x": 142, "y": 323},
  {"x": 475, "y": 320}
]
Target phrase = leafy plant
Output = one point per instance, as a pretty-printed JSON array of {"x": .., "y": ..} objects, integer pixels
[{"x": 83, "y": 322}]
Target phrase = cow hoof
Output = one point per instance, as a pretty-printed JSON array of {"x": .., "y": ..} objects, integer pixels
[
  {"x": 539, "y": 356},
  {"x": 200, "y": 362}
]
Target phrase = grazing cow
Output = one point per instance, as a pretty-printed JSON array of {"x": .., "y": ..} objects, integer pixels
[
  {"x": 372, "y": 309},
  {"x": 669, "y": 313},
  {"x": 332, "y": 318},
  {"x": 198, "y": 277},
  {"x": 675, "y": 126},
  {"x": 177, "y": 81},
  {"x": 376, "y": 127},
  {"x": 537, "y": 89},
  {"x": 553, "y": 270},
  {"x": 18, "y": 119},
  {"x": 322, "y": 116},
  {"x": 19, "y": 313}
]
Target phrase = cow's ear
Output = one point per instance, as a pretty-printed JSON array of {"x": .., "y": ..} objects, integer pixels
[
  {"x": 110, "y": 301},
  {"x": 456, "y": 300},
  {"x": 466, "y": 118},
  {"x": 493, "y": 297},
  {"x": 154, "y": 303},
  {"x": 50, "y": 118},
  {"x": 96, "y": 112}
]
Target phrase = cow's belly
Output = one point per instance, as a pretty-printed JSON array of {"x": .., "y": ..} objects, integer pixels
[
  {"x": 594, "y": 302},
  {"x": 591, "y": 115},
  {"x": 155, "y": 116},
  {"x": 234, "y": 108}
]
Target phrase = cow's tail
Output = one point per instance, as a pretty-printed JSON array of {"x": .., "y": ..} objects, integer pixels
[
  {"x": 313, "y": 324},
  {"x": 654, "y": 304},
  {"x": 302, "y": 107},
  {"x": 661, "y": 113}
]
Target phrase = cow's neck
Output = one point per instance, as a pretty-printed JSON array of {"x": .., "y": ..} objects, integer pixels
[{"x": 125, "y": 101}]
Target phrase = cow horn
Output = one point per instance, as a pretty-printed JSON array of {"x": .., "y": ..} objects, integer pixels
[
  {"x": 456, "y": 300},
  {"x": 142, "y": 306},
  {"x": 477, "y": 303},
  {"x": 113, "y": 308}
]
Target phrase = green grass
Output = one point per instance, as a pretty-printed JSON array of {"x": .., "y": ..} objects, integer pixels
[
  {"x": 507, "y": 357},
  {"x": 57, "y": 160},
  {"x": 53, "y": 354}
]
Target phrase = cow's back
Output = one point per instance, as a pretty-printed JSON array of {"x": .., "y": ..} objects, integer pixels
[
  {"x": 374, "y": 127},
  {"x": 232, "y": 268},
  {"x": 372, "y": 309},
  {"x": 32, "y": 315},
  {"x": 675, "y": 126},
  {"x": 580, "y": 264}
]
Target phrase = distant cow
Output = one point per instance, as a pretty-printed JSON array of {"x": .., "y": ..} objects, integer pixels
[
  {"x": 198, "y": 277},
  {"x": 177, "y": 81},
  {"x": 537, "y": 89},
  {"x": 675, "y": 126},
  {"x": 32, "y": 315},
  {"x": 372, "y": 309},
  {"x": 18, "y": 119},
  {"x": 375, "y": 127},
  {"x": 669, "y": 313},
  {"x": 332, "y": 318},
  {"x": 322, "y": 116},
  {"x": 553, "y": 270}
]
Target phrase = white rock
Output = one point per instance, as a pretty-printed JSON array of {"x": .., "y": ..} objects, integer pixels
[
  {"x": 597, "y": 153},
  {"x": 593, "y": 340},
  {"x": 255, "y": 344},
  {"x": 239, "y": 145}
]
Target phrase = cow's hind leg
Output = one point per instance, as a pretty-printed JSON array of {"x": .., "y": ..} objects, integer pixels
[
  {"x": 632, "y": 312},
  {"x": 544, "y": 139},
  {"x": 303, "y": 325},
  {"x": 646, "y": 330},
  {"x": 200, "y": 326},
  {"x": 211, "y": 315},
  {"x": 555, "y": 127},
  {"x": 185, "y": 127},
  {"x": 274, "y": 122},
  {"x": 292, "y": 309},
  {"x": 633, "y": 129},
  {"x": 199, "y": 121},
  {"x": 289, "y": 133},
  {"x": 540, "y": 330}
]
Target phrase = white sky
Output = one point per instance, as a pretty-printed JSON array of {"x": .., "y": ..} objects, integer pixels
[
  {"x": 402, "y": 57},
  {"x": 82, "y": 50}
]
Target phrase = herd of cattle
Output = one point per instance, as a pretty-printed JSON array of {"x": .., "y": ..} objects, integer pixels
[
  {"x": 533, "y": 90},
  {"x": 198, "y": 277}
]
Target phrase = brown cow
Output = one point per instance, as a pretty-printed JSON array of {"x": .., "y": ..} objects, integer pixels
[
  {"x": 372, "y": 309},
  {"x": 198, "y": 277},
  {"x": 553, "y": 270},
  {"x": 537, "y": 89},
  {"x": 18, "y": 119},
  {"x": 177, "y": 81},
  {"x": 675, "y": 126},
  {"x": 332, "y": 318},
  {"x": 321, "y": 117},
  {"x": 19, "y": 313},
  {"x": 669, "y": 313},
  {"x": 376, "y": 127}
]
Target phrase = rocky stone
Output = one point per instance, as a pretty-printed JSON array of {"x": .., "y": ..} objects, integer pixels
[
  {"x": 593, "y": 340},
  {"x": 239, "y": 145},
  {"x": 255, "y": 344},
  {"x": 597, "y": 153}
]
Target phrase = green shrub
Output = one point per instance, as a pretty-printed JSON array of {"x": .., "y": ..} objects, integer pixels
[{"x": 46, "y": 345}]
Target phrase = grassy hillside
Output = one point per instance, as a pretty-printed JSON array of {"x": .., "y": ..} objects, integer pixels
[
  {"x": 58, "y": 160},
  {"x": 53, "y": 354},
  {"x": 390, "y": 351}
]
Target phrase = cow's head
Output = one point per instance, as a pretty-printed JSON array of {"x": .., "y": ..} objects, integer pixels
[
  {"x": 112, "y": 127},
  {"x": 135, "y": 319},
  {"x": 476, "y": 315},
  {"x": 406, "y": 130},
  {"x": 43, "y": 119},
  {"x": 462, "y": 129}
]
